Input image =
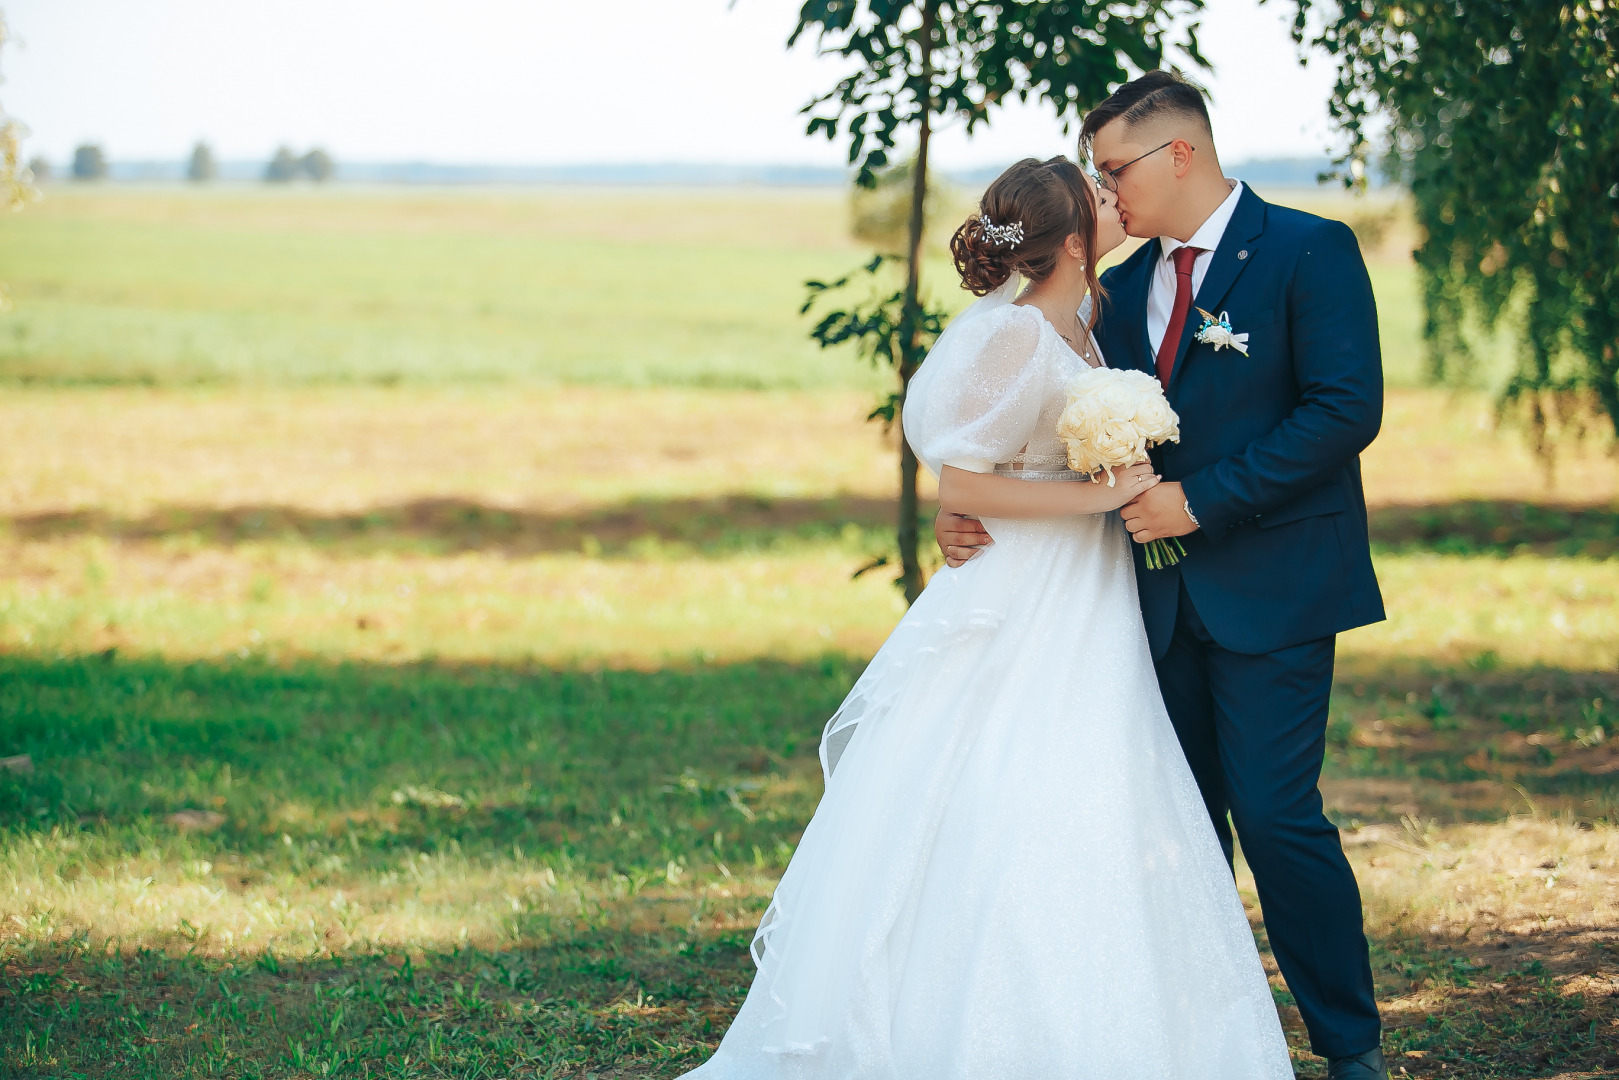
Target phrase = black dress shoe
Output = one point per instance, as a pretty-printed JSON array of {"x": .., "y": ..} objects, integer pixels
[{"x": 1367, "y": 1066}]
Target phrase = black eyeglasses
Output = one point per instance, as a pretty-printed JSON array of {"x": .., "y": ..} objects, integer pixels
[{"x": 1109, "y": 178}]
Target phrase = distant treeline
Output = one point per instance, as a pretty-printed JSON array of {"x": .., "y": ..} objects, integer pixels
[{"x": 91, "y": 164}]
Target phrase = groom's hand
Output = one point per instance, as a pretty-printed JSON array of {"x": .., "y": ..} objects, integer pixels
[
  {"x": 959, "y": 537},
  {"x": 1158, "y": 512}
]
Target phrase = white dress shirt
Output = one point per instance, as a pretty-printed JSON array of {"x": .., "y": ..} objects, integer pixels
[{"x": 1161, "y": 296}]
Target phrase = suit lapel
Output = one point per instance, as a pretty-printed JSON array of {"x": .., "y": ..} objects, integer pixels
[
  {"x": 1230, "y": 257},
  {"x": 1133, "y": 306}
]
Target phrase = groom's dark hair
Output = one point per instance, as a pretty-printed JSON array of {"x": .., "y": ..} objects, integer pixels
[{"x": 1157, "y": 93}]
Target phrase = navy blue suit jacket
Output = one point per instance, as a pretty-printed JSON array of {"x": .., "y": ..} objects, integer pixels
[{"x": 1270, "y": 442}]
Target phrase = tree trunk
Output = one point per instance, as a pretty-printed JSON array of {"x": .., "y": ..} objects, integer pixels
[{"x": 909, "y": 507}]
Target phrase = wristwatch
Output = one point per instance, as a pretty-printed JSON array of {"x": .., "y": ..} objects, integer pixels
[{"x": 1187, "y": 506}]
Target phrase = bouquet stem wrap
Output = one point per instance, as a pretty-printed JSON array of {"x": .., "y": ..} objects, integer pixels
[{"x": 1113, "y": 417}]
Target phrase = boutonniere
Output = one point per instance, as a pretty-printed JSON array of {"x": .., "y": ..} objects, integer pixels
[{"x": 1217, "y": 332}]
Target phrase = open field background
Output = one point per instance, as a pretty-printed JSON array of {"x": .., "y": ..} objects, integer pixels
[
  {"x": 419, "y": 611},
  {"x": 702, "y": 288}
]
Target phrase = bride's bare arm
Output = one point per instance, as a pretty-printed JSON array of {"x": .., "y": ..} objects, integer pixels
[{"x": 982, "y": 495}]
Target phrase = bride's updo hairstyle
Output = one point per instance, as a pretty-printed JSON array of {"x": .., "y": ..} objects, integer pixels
[{"x": 1023, "y": 220}]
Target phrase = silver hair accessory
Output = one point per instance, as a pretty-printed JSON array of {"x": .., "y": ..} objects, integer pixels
[{"x": 1002, "y": 234}]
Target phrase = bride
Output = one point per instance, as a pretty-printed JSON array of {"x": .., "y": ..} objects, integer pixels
[{"x": 1011, "y": 875}]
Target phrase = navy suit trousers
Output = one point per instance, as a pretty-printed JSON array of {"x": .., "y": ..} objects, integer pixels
[{"x": 1254, "y": 730}]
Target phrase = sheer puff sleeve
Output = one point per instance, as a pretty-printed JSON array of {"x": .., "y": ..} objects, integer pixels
[{"x": 978, "y": 397}]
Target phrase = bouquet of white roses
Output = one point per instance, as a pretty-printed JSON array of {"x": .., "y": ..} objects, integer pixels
[{"x": 1112, "y": 417}]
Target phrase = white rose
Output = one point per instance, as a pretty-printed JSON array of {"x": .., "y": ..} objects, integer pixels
[
  {"x": 1157, "y": 420},
  {"x": 1113, "y": 417},
  {"x": 1086, "y": 383},
  {"x": 1117, "y": 398},
  {"x": 1121, "y": 443},
  {"x": 1078, "y": 428}
]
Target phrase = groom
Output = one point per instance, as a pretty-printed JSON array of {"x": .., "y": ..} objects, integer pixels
[{"x": 1264, "y": 491}]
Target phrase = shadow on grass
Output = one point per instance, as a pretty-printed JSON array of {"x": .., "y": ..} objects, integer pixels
[
  {"x": 602, "y": 1005},
  {"x": 524, "y": 753},
  {"x": 1532, "y": 1004},
  {"x": 653, "y": 1006},
  {"x": 417, "y": 788},
  {"x": 742, "y": 522},
  {"x": 630, "y": 788},
  {"x": 1472, "y": 742},
  {"x": 441, "y": 526},
  {"x": 1497, "y": 527},
  {"x": 515, "y": 753},
  {"x": 615, "y": 1004}
]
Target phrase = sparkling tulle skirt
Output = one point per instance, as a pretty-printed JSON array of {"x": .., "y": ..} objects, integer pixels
[{"x": 1011, "y": 875}]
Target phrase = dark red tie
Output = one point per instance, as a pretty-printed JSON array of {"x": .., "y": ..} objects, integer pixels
[{"x": 1184, "y": 257}]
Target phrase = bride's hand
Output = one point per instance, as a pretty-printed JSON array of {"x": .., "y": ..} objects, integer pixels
[{"x": 1129, "y": 483}]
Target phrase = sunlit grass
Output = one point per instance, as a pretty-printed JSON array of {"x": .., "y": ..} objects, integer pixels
[
  {"x": 175, "y": 286},
  {"x": 639, "y": 526},
  {"x": 283, "y": 602},
  {"x": 131, "y": 451},
  {"x": 181, "y": 286},
  {"x": 794, "y": 598},
  {"x": 1525, "y": 610}
]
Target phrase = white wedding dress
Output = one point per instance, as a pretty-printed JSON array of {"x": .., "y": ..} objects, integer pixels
[{"x": 1011, "y": 875}]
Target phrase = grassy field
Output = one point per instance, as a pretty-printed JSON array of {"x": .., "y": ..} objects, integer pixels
[
  {"x": 158, "y": 287},
  {"x": 461, "y": 727},
  {"x": 166, "y": 287}
]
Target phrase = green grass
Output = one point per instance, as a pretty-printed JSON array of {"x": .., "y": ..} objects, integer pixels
[
  {"x": 423, "y": 871},
  {"x": 164, "y": 287},
  {"x": 338, "y": 771},
  {"x": 487, "y": 870}
]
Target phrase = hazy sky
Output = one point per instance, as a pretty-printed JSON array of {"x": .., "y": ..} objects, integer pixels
[{"x": 528, "y": 81}]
